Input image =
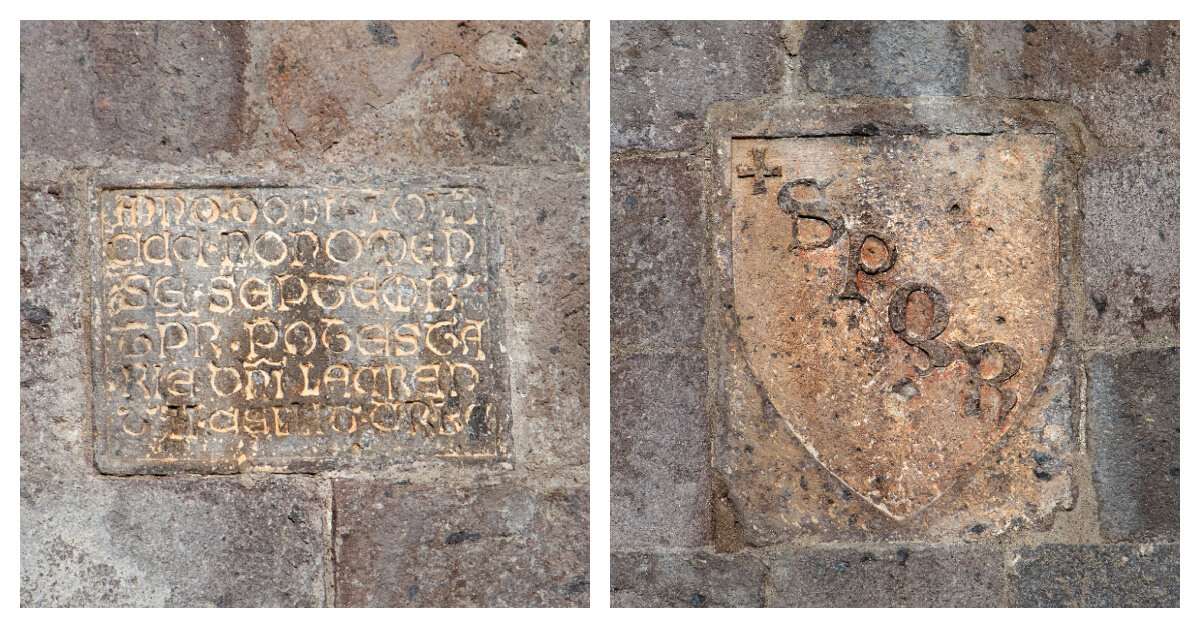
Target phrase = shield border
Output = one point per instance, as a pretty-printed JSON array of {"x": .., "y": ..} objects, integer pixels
[{"x": 1058, "y": 394}]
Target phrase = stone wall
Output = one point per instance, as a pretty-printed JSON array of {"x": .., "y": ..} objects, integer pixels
[
  {"x": 678, "y": 538},
  {"x": 310, "y": 104}
]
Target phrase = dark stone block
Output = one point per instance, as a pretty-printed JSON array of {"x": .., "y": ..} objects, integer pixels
[
  {"x": 960, "y": 576},
  {"x": 157, "y": 91},
  {"x": 1131, "y": 248},
  {"x": 661, "y": 483},
  {"x": 400, "y": 544},
  {"x": 884, "y": 59},
  {"x": 425, "y": 93},
  {"x": 545, "y": 212},
  {"x": 1096, "y": 575},
  {"x": 666, "y": 74},
  {"x": 1133, "y": 414},
  {"x": 1123, "y": 76},
  {"x": 174, "y": 542},
  {"x": 657, "y": 254},
  {"x": 686, "y": 579}
]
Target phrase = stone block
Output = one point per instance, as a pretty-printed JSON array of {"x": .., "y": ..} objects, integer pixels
[
  {"x": 1058, "y": 575},
  {"x": 424, "y": 93},
  {"x": 886, "y": 59},
  {"x": 55, "y": 433},
  {"x": 155, "y": 91},
  {"x": 1123, "y": 76},
  {"x": 1131, "y": 249},
  {"x": 402, "y": 544},
  {"x": 543, "y": 218},
  {"x": 255, "y": 542},
  {"x": 657, "y": 254},
  {"x": 666, "y": 74},
  {"x": 956, "y": 576},
  {"x": 1133, "y": 431},
  {"x": 694, "y": 579},
  {"x": 661, "y": 483}
]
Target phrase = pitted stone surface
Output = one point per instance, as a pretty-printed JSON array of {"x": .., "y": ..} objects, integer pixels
[
  {"x": 1133, "y": 431},
  {"x": 883, "y": 58},
  {"x": 962, "y": 576},
  {"x": 1060, "y": 575},
  {"x": 893, "y": 302},
  {"x": 1122, "y": 75},
  {"x": 294, "y": 328},
  {"x": 163, "y": 91},
  {"x": 881, "y": 398},
  {"x": 399, "y": 544}
]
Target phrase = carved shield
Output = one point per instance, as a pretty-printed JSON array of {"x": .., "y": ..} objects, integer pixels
[{"x": 895, "y": 298}]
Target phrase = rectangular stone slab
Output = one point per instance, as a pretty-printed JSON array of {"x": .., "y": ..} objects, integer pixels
[{"x": 294, "y": 329}]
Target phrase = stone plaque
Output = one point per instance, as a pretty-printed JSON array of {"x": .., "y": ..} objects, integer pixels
[
  {"x": 895, "y": 300},
  {"x": 294, "y": 329}
]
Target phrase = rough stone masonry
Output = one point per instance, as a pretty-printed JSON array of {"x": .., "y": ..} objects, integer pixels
[
  {"x": 304, "y": 314},
  {"x": 896, "y": 314}
]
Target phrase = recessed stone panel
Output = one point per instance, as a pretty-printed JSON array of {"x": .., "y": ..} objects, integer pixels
[
  {"x": 293, "y": 328},
  {"x": 891, "y": 305}
]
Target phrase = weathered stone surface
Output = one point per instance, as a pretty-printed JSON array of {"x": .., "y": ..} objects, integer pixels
[
  {"x": 661, "y": 488},
  {"x": 657, "y": 248},
  {"x": 546, "y": 284},
  {"x": 1059, "y": 575},
  {"x": 161, "y": 91},
  {"x": 883, "y": 59},
  {"x": 847, "y": 411},
  {"x": 401, "y": 544},
  {"x": 1133, "y": 431},
  {"x": 495, "y": 107},
  {"x": 1123, "y": 76},
  {"x": 666, "y": 74},
  {"x": 1131, "y": 248},
  {"x": 171, "y": 542},
  {"x": 296, "y": 329},
  {"x": 426, "y": 93},
  {"x": 864, "y": 372},
  {"x": 55, "y": 438},
  {"x": 958, "y": 576},
  {"x": 689, "y": 579}
]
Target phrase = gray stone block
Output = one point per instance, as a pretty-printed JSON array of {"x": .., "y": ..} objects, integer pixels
[
  {"x": 543, "y": 216},
  {"x": 1133, "y": 430},
  {"x": 1131, "y": 248},
  {"x": 666, "y": 74},
  {"x": 960, "y": 576},
  {"x": 157, "y": 91},
  {"x": 1096, "y": 575},
  {"x": 661, "y": 483},
  {"x": 1123, "y": 76},
  {"x": 423, "y": 93},
  {"x": 686, "y": 579},
  {"x": 885, "y": 59},
  {"x": 401, "y": 544},
  {"x": 657, "y": 253},
  {"x": 172, "y": 542}
]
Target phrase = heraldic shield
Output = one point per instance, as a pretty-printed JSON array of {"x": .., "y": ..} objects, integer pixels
[{"x": 895, "y": 297}]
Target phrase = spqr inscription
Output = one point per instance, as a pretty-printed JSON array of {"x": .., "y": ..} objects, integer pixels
[
  {"x": 891, "y": 298},
  {"x": 293, "y": 329}
]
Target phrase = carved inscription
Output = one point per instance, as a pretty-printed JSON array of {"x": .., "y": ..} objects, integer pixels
[
  {"x": 895, "y": 298},
  {"x": 295, "y": 329}
]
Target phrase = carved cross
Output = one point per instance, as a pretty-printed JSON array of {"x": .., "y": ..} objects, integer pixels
[{"x": 759, "y": 170}]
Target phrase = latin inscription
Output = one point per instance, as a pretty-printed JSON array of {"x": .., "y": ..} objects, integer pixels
[{"x": 294, "y": 328}]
